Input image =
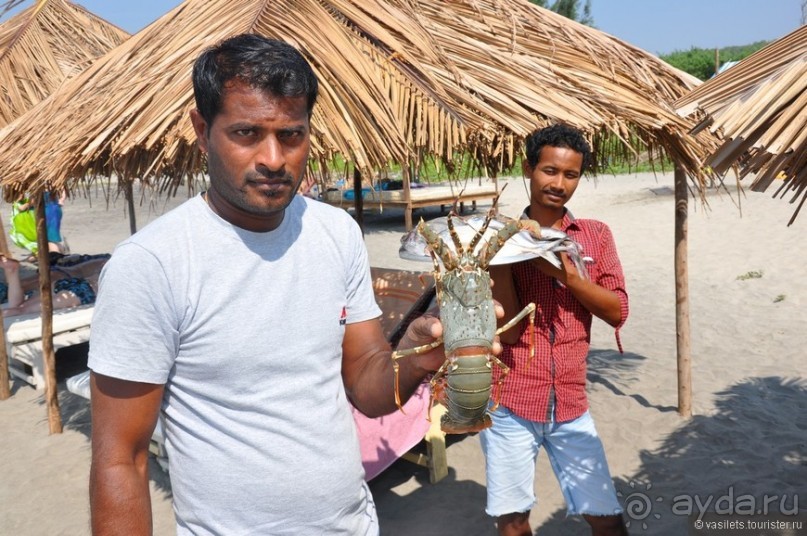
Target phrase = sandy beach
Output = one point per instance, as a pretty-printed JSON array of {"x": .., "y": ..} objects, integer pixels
[{"x": 745, "y": 447}]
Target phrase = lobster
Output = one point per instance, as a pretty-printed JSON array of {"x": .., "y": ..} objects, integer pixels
[{"x": 463, "y": 383}]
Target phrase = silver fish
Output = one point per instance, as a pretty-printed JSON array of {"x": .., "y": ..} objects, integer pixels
[{"x": 522, "y": 246}]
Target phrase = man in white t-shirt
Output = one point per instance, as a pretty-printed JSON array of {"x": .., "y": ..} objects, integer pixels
[{"x": 246, "y": 317}]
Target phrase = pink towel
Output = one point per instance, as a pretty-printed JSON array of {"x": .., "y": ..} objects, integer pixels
[{"x": 384, "y": 439}]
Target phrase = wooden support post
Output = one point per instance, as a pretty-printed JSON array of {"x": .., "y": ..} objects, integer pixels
[
  {"x": 436, "y": 445},
  {"x": 127, "y": 189},
  {"x": 498, "y": 193},
  {"x": 48, "y": 354},
  {"x": 435, "y": 458},
  {"x": 682, "y": 296},
  {"x": 358, "y": 199},
  {"x": 406, "y": 172},
  {"x": 5, "y": 389}
]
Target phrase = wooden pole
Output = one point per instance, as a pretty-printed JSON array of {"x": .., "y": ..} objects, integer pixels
[
  {"x": 5, "y": 388},
  {"x": 682, "y": 296},
  {"x": 406, "y": 172},
  {"x": 127, "y": 190},
  {"x": 48, "y": 354},
  {"x": 358, "y": 199}
]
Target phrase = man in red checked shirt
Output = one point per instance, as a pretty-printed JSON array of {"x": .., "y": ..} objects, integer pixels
[{"x": 544, "y": 404}]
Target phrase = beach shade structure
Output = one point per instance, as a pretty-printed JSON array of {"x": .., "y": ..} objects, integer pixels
[
  {"x": 40, "y": 48},
  {"x": 400, "y": 81},
  {"x": 45, "y": 45},
  {"x": 758, "y": 109}
]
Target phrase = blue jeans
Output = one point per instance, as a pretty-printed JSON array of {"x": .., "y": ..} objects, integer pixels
[{"x": 575, "y": 452}]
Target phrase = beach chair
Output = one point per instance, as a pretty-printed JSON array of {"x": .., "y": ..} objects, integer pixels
[{"x": 24, "y": 340}]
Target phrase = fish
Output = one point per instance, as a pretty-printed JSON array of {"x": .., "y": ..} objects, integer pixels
[{"x": 522, "y": 246}]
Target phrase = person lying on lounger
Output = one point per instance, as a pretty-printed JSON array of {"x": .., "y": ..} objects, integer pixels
[{"x": 72, "y": 286}]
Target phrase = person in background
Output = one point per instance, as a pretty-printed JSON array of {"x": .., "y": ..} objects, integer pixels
[
  {"x": 72, "y": 286},
  {"x": 23, "y": 224},
  {"x": 252, "y": 362},
  {"x": 544, "y": 403},
  {"x": 53, "y": 221}
]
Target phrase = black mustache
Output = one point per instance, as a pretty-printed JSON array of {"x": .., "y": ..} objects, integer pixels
[{"x": 270, "y": 175}]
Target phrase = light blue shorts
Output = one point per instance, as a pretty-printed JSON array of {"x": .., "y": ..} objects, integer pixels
[{"x": 575, "y": 452}]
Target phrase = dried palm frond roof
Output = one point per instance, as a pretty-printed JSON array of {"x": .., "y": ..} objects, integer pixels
[
  {"x": 42, "y": 46},
  {"x": 759, "y": 110},
  {"x": 398, "y": 78}
]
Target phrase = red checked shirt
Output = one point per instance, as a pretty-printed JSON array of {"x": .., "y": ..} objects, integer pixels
[{"x": 557, "y": 373}]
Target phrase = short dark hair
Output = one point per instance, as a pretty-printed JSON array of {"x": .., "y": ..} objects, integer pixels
[
  {"x": 267, "y": 64},
  {"x": 559, "y": 135}
]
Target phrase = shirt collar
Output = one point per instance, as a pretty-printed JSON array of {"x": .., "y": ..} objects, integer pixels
[{"x": 568, "y": 218}]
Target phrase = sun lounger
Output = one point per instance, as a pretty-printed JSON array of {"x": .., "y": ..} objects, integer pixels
[
  {"x": 428, "y": 196},
  {"x": 24, "y": 340}
]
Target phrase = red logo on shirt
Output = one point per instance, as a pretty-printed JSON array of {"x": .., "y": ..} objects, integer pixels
[{"x": 343, "y": 317}]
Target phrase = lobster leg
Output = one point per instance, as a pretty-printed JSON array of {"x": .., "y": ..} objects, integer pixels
[
  {"x": 528, "y": 310},
  {"x": 438, "y": 377},
  {"x": 397, "y": 354},
  {"x": 499, "y": 384}
]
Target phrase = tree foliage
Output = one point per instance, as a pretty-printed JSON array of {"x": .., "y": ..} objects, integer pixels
[
  {"x": 569, "y": 9},
  {"x": 700, "y": 62}
]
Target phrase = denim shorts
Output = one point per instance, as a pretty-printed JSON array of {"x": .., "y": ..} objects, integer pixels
[{"x": 575, "y": 452}]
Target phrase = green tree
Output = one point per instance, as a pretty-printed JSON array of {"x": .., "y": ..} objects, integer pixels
[
  {"x": 700, "y": 62},
  {"x": 569, "y": 9}
]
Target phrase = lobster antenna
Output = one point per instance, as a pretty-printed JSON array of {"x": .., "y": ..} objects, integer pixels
[
  {"x": 437, "y": 247},
  {"x": 453, "y": 233},
  {"x": 480, "y": 233}
]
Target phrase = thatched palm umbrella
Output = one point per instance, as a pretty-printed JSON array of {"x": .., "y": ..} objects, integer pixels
[
  {"x": 399, "y": 78},
  {"x": 40, "y": 48},
  {"x": 43, "y": 46},
  {"x": 759, "y": 110}
]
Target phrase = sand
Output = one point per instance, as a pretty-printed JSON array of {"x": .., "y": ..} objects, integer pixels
[{"x": 746, "y": 443}]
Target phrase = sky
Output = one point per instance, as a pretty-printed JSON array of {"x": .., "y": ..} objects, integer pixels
[{"x": 657, "y": 26}]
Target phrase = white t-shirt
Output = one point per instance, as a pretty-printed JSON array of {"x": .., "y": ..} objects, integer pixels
[{"x": 245, "y": 331}]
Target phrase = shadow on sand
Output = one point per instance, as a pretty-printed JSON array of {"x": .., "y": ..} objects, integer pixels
[
  {"x": 449, "y": 506},
  {"x": 753, "y": 449}
]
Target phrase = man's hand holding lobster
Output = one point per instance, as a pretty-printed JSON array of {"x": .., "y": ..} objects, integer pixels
[{"x": 427, "y": 331}]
